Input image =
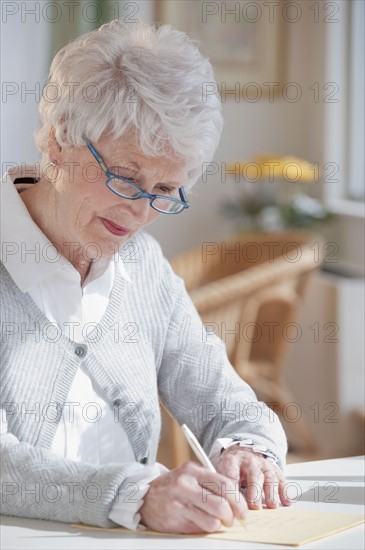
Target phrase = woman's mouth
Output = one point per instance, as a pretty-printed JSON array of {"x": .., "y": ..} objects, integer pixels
[{"x": 114, "y": 228}]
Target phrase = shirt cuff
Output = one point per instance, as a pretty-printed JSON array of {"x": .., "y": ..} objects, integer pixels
[
  {"x": 226, "y": 442},
  {"x": 129, "y": 498}
]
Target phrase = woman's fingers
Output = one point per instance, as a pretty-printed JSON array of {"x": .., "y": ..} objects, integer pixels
[
  {"x": 271, "y": 488},
  {"x": 228, "y": 491},
  {"x": 285, "y": 500},
  {"x": 188, "y": 519},
  {"x": 263, "y": 481},
  {"x": 278, "y": 485},
  {"x": 200, "y": 520},
  {"x": 254, "y": 484},
  {"x": 212, "y": 492},
  {"x": 192, "y": 498},
  {"x": 265, "y": 484},
  {"x": 198, "y": 488}
]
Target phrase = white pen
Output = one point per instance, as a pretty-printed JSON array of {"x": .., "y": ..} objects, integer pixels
[{"x": 200, "y": 453}]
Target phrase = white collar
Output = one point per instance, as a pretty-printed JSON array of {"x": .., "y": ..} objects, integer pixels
[{"x": 26, "y": 252}]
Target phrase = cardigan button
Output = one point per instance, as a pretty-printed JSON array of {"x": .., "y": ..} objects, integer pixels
[
  {"x": 144, "y": 460},
  {"x": 80, "y": 351}
]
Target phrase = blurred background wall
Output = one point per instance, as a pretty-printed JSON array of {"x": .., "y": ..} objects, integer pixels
[{"x": 315, "y": 114}]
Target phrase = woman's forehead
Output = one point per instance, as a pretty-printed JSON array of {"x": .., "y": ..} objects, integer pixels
[{"x": 127, "y": 151}]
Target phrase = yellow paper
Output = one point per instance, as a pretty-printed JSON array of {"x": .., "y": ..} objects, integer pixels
[{"x": 285, "y": 525}]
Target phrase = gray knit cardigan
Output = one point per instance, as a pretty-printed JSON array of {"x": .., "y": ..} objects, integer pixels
[{"x": 149, "y": 345}]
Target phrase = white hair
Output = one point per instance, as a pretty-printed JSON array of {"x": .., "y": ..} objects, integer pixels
[{"x": 137, "y": 77}]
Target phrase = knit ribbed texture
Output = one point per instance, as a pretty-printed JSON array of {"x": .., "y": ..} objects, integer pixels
[{"x": 150, "y": 343}]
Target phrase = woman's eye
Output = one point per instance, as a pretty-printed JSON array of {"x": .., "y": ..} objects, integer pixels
[{"x": 164, "y": 190}]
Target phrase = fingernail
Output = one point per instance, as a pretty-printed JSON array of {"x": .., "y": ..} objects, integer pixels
[{"x": 254, "y": 504}]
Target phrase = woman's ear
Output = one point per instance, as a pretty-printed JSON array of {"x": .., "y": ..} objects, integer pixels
[{"x": 54, "y": 148}]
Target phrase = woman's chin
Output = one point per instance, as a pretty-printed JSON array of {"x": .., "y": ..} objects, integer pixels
[{"x": 108, "y": 247}]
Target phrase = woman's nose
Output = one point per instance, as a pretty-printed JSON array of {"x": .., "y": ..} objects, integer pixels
[{"x": 140, "y": 209}]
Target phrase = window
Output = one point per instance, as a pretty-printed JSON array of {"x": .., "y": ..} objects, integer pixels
[
  {"x": 344, "y": 117},
  {"x": 356, "y": 116}
]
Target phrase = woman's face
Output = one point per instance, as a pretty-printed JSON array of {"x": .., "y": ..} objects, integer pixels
[{"x": 91, "y": 214}]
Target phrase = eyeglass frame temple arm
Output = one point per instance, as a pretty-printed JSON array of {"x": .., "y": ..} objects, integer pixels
[
  {"x": 95, "y": 154},
  {"x": 184, "y": 197}
]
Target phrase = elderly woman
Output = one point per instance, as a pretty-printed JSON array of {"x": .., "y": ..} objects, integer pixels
[{"x": 96, "y": 326}]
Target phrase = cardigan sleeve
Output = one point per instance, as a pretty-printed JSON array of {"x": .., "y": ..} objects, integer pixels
[
  {"x": 199, "y": 386},
  {"x": 37, "y": 483}
]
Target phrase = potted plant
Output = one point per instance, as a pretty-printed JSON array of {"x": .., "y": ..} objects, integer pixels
[{"x": 262, "y": 207}]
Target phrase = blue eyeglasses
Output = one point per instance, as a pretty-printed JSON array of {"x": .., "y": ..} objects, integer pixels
[{"x": 127, "y": 189}]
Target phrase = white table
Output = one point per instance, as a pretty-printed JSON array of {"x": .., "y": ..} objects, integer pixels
[{"x": 320, "y": 485}]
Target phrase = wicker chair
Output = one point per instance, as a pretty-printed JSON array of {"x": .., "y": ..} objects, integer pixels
[{"x": 248, "y": 291}]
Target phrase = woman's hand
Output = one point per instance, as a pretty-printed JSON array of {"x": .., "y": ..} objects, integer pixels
[
  {"x": 260, "y": 477},
  {"x": 192, "y": 499}
]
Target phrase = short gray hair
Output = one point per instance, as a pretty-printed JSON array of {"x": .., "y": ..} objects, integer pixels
[{"x": 127, "y": 77}]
